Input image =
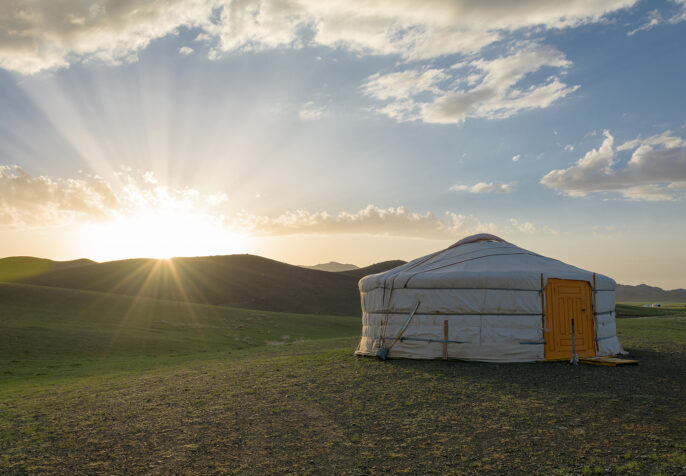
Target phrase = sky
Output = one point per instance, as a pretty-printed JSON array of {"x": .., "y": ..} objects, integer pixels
[{"x": 354, "y": 131}]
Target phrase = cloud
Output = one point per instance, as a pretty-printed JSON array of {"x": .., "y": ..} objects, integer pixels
[
  {"x": 680, "y": 14},
  {"x": 405, "y": 84},
  {"x": 139, "y": 191},
  {"x": 526, "y": 227},
  {"x": 655, "y": 17},
  {"x": 35, "y": 36},
  {"x": 371, "y": 220},
  {"x": 604, "y": 231},
  {"x": 311, "y": 111},
  {"x": 483, "y": 187},
  {"x": 38, "y": 36},
  {"x": 410, "y": 29},
  {"x": 667, "y": 140},
  {"x": 529, "y": 228},
  {"x": 515, "y": 158},
  {"x": 569, "y": 147},
  {"x": 492, "y": 89},
  {"x": 655, "y": 171},
  {"x": 28, "y": 201}
]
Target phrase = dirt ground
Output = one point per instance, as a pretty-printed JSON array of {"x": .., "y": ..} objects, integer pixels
[{"x": 307, "y": 411}]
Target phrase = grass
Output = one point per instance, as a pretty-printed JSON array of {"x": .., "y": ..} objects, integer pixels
[
  {"x": 665, "y": 305},
  {"x": 226, "y": 405},
  {"x": 637, "y": 310},
  {"x": 51, "y": 332},
  {"x": 666, "y": 330}
]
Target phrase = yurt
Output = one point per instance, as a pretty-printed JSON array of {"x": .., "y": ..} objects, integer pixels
[{"x": 485, "y": 299}]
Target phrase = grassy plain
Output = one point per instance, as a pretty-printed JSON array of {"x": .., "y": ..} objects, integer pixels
[
  {"x": 170, "y": 388},
  {"x": 633, "y": 309},
  {"x": 664, "y": 305},
  {"x": 54, "y": 332}
]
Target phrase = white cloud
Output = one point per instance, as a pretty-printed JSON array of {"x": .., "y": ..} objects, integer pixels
[
  {"x": 604, "y": 231},
  {"x": 667, "y": 140},
  {"x": 656, "y": 170},
  {"x": 655, "y": 18},
  {"x": 529, "y": 228},
  {"x": 141, "y": 191},
  {"x": 680, "y": 14},
  {"x": 410, "y": 29},
  {"x": 495, "y": 89},
  {"x": 515, "y": 158},
  {"x": 35, "y": 36},
  {"x": 526, "y": 227},
  {"x": 38, "y": 36},
  {"x": 371, "y": 220},
  {"x": 484, "y": 187},
  {"x": 311, "y": 111},
  {"x": 404, "y": 84},
  {"x": 569, "y": 147},
  {"x": 28, "y": 201},
  {"x": 134, "y": 197}
]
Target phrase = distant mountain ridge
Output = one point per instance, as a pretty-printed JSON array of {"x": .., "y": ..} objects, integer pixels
[
  {"x": 643, "y": 292},
  {"x": 332, "y": 267},
  {"x": 360, "y": 273}
]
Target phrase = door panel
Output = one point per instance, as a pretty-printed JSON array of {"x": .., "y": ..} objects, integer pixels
[{"x": 566, "y": 300}]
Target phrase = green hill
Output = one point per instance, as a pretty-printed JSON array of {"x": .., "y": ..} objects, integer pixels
[
  {"x": 17, "y": 268},
  {"x": 243, "y": 281}
]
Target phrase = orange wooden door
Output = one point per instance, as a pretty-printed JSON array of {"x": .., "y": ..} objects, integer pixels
[{"x": 566, "y": 300}]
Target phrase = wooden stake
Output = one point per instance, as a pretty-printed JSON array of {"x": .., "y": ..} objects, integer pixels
[
  {"x": 445, "y": 340},
  {"x": 594, "y": 312},
  {"x": 542, "y": 302},
  {"x": 544, "y": 329}
]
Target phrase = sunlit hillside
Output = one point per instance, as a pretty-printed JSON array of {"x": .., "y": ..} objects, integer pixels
[{"x": 244, "y": 281}]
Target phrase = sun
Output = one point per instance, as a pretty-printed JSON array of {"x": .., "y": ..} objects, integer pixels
[{"x": 160, "y": 233}]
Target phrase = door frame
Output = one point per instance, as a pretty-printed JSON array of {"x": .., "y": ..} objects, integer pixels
[{"x": 588, "y": 316}]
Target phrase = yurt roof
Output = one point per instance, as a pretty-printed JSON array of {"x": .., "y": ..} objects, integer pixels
[{"x": 481, "y": 261}]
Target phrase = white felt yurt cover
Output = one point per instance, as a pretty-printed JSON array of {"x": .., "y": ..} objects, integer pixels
[{"x": 488, "y": 290}]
